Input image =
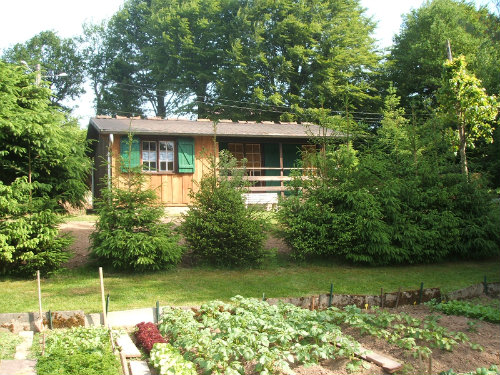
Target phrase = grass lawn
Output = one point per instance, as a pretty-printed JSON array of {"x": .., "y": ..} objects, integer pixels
[{"x": 80, "y": 289}]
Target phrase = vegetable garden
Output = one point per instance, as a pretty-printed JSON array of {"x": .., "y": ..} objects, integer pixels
[{"x": 249, "y": 336}]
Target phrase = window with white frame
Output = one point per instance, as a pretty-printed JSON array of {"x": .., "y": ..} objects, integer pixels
[{"x": 158, "y": 156}]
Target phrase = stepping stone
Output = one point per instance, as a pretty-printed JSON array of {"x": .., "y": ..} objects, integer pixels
[
  {"x": 17, "y": 367},
  {"x": 139, "y": 368},
  {"x": 128, "y": 347}
]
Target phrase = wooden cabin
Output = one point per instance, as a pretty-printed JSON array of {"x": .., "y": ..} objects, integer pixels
[{"x": 170, "y": 152}]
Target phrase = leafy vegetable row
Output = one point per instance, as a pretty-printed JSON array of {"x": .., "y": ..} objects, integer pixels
[
  {"x": 225, "y": 338},
  {"x": 401, "y": 329},
  {"x": 470, "y": 310}
]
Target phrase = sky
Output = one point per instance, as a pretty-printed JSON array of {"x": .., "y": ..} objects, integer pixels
[{"x": 22, "y": 19}]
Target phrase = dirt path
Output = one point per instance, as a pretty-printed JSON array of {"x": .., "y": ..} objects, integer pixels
[{"x": 80, "y": 231}]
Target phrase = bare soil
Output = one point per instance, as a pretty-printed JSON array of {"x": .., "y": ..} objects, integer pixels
[{"x": 461, "y": 359}]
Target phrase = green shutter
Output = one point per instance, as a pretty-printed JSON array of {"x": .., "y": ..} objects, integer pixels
[
  {"x": 185, "y": 154},
  {"x": 135, "y": 155}
]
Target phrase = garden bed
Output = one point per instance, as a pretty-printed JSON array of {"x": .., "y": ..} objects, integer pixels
[{"x": 251, "y": 336}]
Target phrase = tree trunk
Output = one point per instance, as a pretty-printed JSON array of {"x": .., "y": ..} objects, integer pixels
[
  {"x": 463, "y": 156},
  {"x": 160, "y": 101}
]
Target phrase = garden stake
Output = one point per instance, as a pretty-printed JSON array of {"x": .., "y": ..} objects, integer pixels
[
  {"x": 157, "y": 311},
  {"x": 50, "y": 319},
  {"x": 485, "y": 284},
  {"x": 430, "y": 364},
  {"x": 40, "y": 320},
  {"x": 397, "y": 298},
  {"x": 420, "y": 293},
  {"x": 104, "y": 315},
  {"x": 107, "y": 303},
  {"x": 331, "y": 296},
  {"x": 263, "y": 296},
  {"x": 381, "y": 298}
]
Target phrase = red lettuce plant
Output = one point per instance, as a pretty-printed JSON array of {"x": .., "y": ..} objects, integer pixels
[{"x": 147, "y": 335}]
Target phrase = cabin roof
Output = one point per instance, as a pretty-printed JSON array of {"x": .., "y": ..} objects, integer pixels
[{"x": 180, "y": 127}]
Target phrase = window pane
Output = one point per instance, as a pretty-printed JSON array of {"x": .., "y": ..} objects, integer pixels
[
  {"x": 171, "y": 166},
  {"x": 163, "y": 155},
  {"x": 152, "y": 166},
  {"x": 163, "y": 165},
  {"x": 170, "y": 146},
  {"x": 152, "y": 146},
  {"x": 152, "y": 155},
  {"x": 163, "y": 146}
]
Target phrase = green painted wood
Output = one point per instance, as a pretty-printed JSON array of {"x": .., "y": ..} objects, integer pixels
[
  {"x": 271, "y": 153},
  {"x": 185, "y": 154},
  {"x": 291, "y": 154},
  {"x": 135, "y": 153}
]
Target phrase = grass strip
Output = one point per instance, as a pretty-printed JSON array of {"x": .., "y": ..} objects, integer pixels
[
  {"x": 8, "y": 343},
  {"x": 79, "y": 289}
]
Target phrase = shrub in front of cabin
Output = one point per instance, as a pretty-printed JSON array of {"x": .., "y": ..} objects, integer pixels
[
  {"x": 130, "y": 234},
  {"x": 219, "y": 229}
]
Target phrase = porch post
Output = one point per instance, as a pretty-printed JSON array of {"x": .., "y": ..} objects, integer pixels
[{"x": 282, "y": 186}]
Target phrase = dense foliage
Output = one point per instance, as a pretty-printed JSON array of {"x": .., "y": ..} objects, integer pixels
[
  {"x": 130, "y": 234},
  {"x": 82, "y": 350},
  {"x": 39, "y": 141},
  {"x": 60, "y": 62},
  {"x": 419, "y": 49},
  {"x": 465, "y": 105},
  {"x": 29, "y": 236},
  {"x": 147, "y": 334},
  {"x": 214, "y": 56},
  {"x": 468, "y": 309},
  {"x": 218, "y": 227},
  {"x": 400, "y": 199}
]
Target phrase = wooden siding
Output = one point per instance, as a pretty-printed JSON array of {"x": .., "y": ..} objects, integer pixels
[{"x": 173, "y": 188}]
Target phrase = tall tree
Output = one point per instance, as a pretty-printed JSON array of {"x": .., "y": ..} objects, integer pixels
[
  {"x": 465, "y": 104},
  {"x": 60, "y": 62},
  {"x": 420, "y": 48},
  {"x": 39, "y": 141},
  {"x": 127, "y": 64},
  {"x": 239, "y": 58}
]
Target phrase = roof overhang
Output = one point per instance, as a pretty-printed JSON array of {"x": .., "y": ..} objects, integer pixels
[{"x": 206, "y": 128}]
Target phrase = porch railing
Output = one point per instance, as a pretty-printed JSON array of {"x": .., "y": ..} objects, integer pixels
[{"x": 281, "y": 179}]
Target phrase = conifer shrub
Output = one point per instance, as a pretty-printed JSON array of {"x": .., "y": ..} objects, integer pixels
[
  {"x": 401, "y": 199},
  {"x": 29, "y": 234},
  {"x": 219, "y": 229},
  {"x": 130, "y": 234}
]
